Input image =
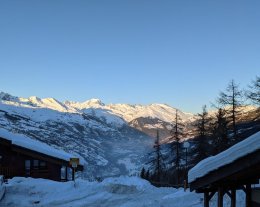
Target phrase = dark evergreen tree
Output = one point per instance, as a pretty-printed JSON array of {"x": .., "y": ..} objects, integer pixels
[
  {"x": 177, "y": 133},
  {"x": 219, "y": 136},
  {"x": 232, "y": 100},
  {"x": 202, "y": 139},
  {"x": 147, "y": 175},
  {"x": 254, "y": 91},
  {"x": 158, "y": 166},
  {"x": 156, "y": 162},
  {"x": 143, "y": 173}
]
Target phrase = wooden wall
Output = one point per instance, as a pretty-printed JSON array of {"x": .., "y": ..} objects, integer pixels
[{"x": 13, "y": 164}]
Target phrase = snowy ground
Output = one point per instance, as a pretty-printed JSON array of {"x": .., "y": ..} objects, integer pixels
[{"x": 121, "y": 191}]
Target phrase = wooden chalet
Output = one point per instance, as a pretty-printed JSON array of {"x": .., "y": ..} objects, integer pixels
[
  {"x": 237, "y": 168},
  {"x": 22, "y": 156}
]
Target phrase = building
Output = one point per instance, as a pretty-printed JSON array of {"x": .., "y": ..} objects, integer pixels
[
  {"x": 236, "y": 168},
  {"x": 25, "y": 157}
]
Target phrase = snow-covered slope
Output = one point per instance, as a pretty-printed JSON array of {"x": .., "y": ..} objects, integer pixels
[
  {"x": 109, "y": 137},
  {"x": 153, "y": 116},
  {"x": 108, "y": 144},
  {"x": 146, "y": 118},
  {"x": 129, "y": 112}
]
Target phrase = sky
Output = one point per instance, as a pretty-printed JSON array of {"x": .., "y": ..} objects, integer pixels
[{"x": 182, "y": 53}]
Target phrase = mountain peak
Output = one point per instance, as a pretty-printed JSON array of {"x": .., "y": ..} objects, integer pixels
[
  {"x": 94, "y": 102},
  {"x": 6, "y": 96}
]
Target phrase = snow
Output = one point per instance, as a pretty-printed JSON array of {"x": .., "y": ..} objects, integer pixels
[
  {"x": 107, "y": 115},
  {"x": 130, "y": 166},
  {"x": 228, "y": 156},
  {"x": 126, "y": 112},
  {"x": 161, "y": 111},
  {"x": 111, "y": 192},
  {"x": 28, "y": 143}
]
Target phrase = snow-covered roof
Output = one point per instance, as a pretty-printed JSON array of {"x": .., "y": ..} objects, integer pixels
[
  {"x": 247, "y": 146},
  {"x": 28, "y": 143}
]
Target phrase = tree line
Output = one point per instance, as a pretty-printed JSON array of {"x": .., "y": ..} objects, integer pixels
[{"x": 214, "y": 133}]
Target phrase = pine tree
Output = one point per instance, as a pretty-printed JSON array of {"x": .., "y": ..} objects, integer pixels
[
  {"x": 143, "y": 173},
  {"x": 220, "y": 139},
  {"x": 254, "y": 91},
  {"x": 202, "y": 138},
  {"x": 156, "y": 162},
  {"x": 233, "y": 99},
  {"x": 147, "y": 175},
  {"x": 177, "y": 133},
  {"x": 158, "y": 166}
]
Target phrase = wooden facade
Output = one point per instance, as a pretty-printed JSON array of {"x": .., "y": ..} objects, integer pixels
[
  {"x": 238, "y": 175},
  {"x": 19, "y": 161}
]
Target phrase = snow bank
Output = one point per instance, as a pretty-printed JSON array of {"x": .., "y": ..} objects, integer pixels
[
  {"x": 28, "y": 143},
  {"x": 112, "y": 192},
  {"x": 235, "y": 152}
]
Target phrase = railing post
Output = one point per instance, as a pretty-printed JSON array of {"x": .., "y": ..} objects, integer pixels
[
  {"x": 220, "y": 196},
  {"x": 233, "y": 197},
  {"x": 206, "y": 199},
  {"x": 248, "y": 195}
]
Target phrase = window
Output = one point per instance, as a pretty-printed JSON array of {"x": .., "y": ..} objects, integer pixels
[
  {"x": 43, "y": 165},
  {"x": 35, "y": 164},
  {"x": 1, "y": 158},
  {"x": 27, "y": 167}
]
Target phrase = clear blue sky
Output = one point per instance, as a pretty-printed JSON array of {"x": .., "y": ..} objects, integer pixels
[{"x": 128, "y": 51}]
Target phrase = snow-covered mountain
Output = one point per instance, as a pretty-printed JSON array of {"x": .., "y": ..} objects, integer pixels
[
  {"x": 145, "y": 118},
  {"x": 114, "y": 139}
]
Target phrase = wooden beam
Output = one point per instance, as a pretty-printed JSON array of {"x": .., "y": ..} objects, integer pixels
[
  {"x": 233, "y": 197},
  {"x": 248, "y": 195},
  {"x": 212, "y": 194},
  {"x": 229, "y": 194},
  {"x": 220, "y": 196},
  {"x": 206, "y": 199}
]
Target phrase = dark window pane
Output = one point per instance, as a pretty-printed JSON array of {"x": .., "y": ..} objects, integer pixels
[{"x": 35, "y": 164}]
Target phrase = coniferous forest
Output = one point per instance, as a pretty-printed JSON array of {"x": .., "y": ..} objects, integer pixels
[{"x": 230, "y": 120}]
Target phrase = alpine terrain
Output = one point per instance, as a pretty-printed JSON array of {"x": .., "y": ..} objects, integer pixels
[{"x": 113, "y": 139}]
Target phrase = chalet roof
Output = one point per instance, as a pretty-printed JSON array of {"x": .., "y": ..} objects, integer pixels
[
  {"x": 241, "y": 149},
  {"x": 35, "y": 145}
]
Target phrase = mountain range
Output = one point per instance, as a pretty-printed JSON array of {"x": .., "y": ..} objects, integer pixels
[{"x": 114, "y": 139}]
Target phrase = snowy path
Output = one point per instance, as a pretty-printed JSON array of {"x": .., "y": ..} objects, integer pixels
[{"x": 112, "y": 192}]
